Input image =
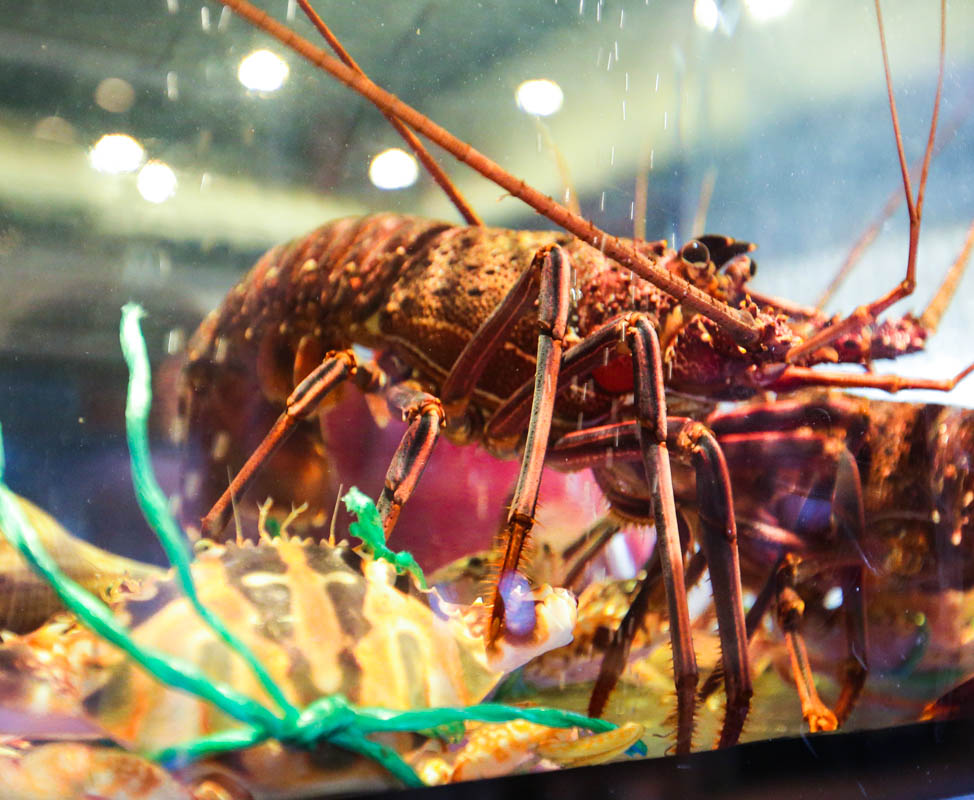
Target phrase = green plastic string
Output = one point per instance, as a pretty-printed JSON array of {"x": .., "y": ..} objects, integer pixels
[
  {"x": 93, "y": 613},
  {"x": 368, "y": 528},
  {"x": 330, "y": 718},
  {"x": 152, "y": 501}
]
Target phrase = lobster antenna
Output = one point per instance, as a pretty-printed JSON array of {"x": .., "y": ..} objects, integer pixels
[
  {"x": 867, "y": 314},
  {"x": 236, "y": 511},
  {"x": 434, "y": 170},
  {"x": 564, "y": 172},
  {"x": 703, "y": 204},
  {"x": 868, "y": 236},
  {"x": 934, "y": 312}
]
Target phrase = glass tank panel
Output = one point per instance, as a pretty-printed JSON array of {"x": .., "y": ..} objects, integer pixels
[{"x": 815, "y": 508}]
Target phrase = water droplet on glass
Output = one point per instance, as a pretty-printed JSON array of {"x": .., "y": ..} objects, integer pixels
[{"x": 172, "y": 85}]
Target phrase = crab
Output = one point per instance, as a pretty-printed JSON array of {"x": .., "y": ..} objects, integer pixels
[{"x": 323, "y": 618}]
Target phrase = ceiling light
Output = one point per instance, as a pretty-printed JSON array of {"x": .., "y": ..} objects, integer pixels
[
  {"x": 262, "y": 71},
  {"x": 156, "y": 182},
  {"x": 393, "y": 169},
  {"x": 706, "y": 14},
  {"x": 540, "y": 97},
  {"x": 767, "y": 10},
  {"x": 115, "y": 153}
]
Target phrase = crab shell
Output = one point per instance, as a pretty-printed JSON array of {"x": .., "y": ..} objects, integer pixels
[
  {"x": 322, "y": 619},
  {"x": 27, "y": 601}
]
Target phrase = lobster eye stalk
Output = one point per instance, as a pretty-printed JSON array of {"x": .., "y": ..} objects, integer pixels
[{"x": 695, "y": 254}]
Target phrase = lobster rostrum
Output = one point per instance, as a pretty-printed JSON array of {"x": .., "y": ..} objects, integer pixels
[{"x": 554, "y": 346}]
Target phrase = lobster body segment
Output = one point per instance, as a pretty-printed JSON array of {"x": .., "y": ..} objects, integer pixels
[{"x": 415, "y": 291}]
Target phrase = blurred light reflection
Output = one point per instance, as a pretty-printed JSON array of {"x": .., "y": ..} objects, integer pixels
[
  {"x": 115, "y": 153},
  {"x": 833, "y": 598},
  {"x": 706, "y": 14},
  {"x": 115, "y": 95},
  {"x": 540, "y": 97},
  {"x": 156, "y": 182},
  {"x": 767, "y": 10},
  {"x": 55, "y": 129},
  {"x": 262, "y": 71},
  {"x": 393, "y": 169}
]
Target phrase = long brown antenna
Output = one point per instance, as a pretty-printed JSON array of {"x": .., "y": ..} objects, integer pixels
[
  {"x": 930, "y": 319},
  {"x": 867, "y": 314},
  {"x": 426, "y": 159},
  {"x": 868, "y": 236}
]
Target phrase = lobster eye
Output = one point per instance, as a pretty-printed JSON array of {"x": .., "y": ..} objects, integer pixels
[{"x": 695, "y": 253}]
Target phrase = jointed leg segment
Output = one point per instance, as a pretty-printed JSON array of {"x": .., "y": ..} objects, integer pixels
[
  {"x": 553, "y": 307},
  {"x": 425, "y": 415},
  {"x": 336, "y": 368}
]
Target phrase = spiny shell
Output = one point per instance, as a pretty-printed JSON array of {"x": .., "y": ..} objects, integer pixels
[{"x": 322, "y": 619}]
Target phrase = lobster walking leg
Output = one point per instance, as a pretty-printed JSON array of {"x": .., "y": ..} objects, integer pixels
[
  {"x": 593, "y": 540},
  {"x": 719, "y": 544},
  {"x": 690, "y": 440},
  {"x": 423, "y": 410},
  {"x": 751, "y": 621},
  {"x": 849, "y": 518},
  {"x": 334, "y": 370},
  {"x": 553, "y": 307},
  {"x": 816, "y": 454},
  {"x": 489, "y": 337},
  {"x": 426, "y": 415},
  {"x": 790, "y": 610},
  {"x": 579, "y": 361},
  {"x": 856, "y": 665},
  {"x": 651, "y": 415},
  {"x": 617, "y": 651}
]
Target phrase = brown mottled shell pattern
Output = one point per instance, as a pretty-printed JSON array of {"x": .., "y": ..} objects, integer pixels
[{"x": 413, "y": 288}]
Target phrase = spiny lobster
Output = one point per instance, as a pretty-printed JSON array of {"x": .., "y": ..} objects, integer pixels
[{"x": 538, "y": 344}]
